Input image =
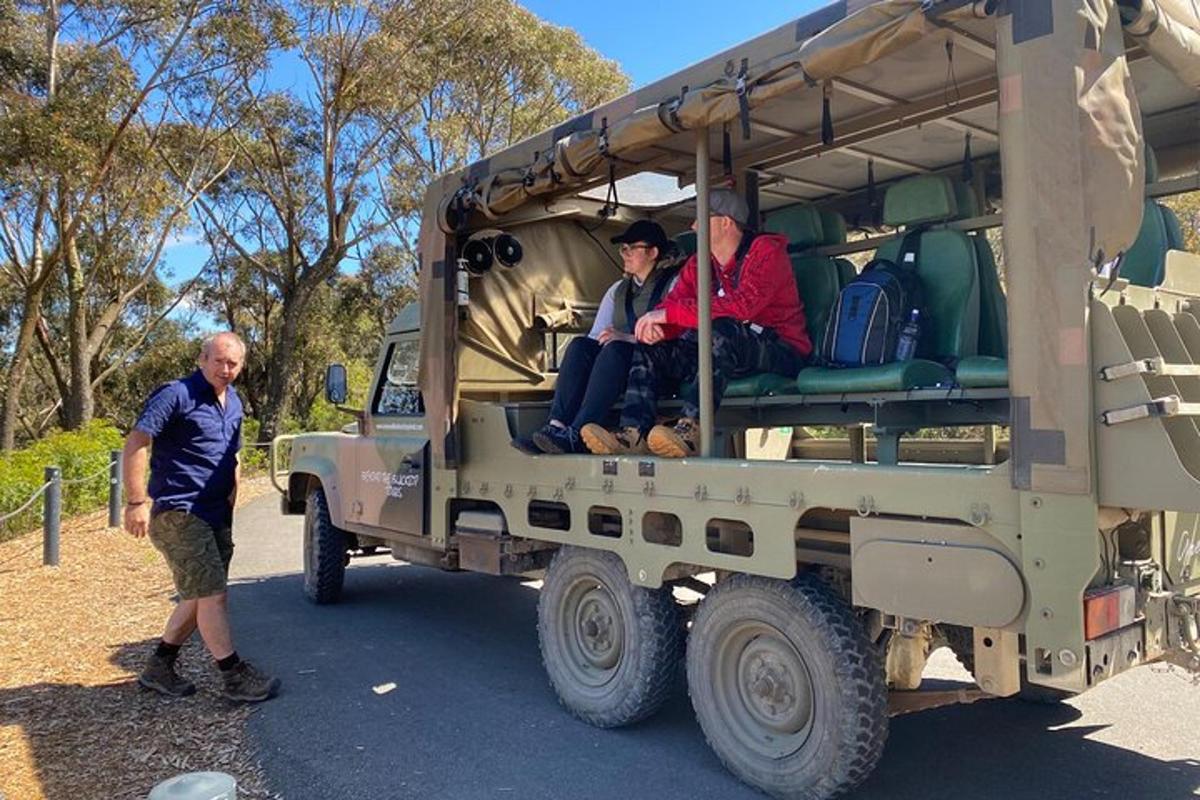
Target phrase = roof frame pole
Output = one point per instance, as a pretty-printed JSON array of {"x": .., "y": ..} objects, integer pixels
[{"x": 704, "y": 372}]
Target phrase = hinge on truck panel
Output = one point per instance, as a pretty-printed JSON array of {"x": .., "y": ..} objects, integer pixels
[
  {"x": 1170, "y": 406},
  {"x": 1148, "y": 366}
]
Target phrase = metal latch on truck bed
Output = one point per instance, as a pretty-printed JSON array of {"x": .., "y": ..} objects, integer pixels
[
  {"x": 1148, "y": 366},
  {"x": 1170, "y": 406}
]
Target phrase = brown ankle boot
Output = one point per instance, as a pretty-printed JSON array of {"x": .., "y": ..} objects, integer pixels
[
  {"x": 680, "y": 441},
  {"x": 603, "y": 442},
  {"x": 246, "y": 683},
  {"x": 159, "y": 674}
]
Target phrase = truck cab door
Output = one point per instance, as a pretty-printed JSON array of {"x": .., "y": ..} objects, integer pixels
[{"x": 391, "y": 487}]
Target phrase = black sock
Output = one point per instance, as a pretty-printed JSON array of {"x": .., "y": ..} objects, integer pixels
[
  {"x": 167, "y": 650},
  {"x": 228, "y": 662}
]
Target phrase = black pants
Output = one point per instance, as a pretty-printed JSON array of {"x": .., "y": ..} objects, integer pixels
[
  {"x": 591, "y": 379},
  {"x": 660, "y": 369}
]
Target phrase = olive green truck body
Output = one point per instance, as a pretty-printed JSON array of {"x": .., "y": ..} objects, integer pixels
[{"x": 1036, "y": 136}]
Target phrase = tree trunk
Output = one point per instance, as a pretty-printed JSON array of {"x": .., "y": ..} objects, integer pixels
[
  {"x": 79, "y": 405},
  {"x": 279, "y": 368},
  {"x": 31, "y": 309}
]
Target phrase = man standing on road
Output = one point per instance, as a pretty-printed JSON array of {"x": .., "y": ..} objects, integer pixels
[{"x": 195, "y": 427}]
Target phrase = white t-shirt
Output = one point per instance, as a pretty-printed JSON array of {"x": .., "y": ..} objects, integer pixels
[{"x": 605, "y": 313}]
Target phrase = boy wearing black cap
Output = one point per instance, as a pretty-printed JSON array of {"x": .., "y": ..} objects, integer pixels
[
  {"x": 758, "y": 326},
  {"x": 595, "y": 367}
]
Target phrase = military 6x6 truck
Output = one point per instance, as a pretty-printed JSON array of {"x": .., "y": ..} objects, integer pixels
[{"x": 1027, "y": 144}]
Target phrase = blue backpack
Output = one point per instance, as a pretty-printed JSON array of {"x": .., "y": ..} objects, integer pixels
[{"x": 870, "y": 311}]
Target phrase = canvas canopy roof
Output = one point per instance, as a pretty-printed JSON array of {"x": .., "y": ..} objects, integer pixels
[{"x": 862, "y": 60}]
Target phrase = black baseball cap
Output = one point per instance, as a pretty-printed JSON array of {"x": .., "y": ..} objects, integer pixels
[{"x": 644, "y": 230}]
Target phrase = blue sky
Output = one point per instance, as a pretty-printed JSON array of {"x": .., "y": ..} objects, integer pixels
[
  {"x": 654, "y": 39},
  {"x": 649, "y": 40}
]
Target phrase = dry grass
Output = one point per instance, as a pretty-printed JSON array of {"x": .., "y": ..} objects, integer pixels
[{"x": 74, "y": 724}]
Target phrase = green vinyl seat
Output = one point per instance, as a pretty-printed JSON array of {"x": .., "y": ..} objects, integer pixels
[
  {"x": 818, "y": 278},
  {"x": 896, "y": 376},
  {"x": 1146, "y": 259},
  {"x": 949, "y": 273},
  {"x": 685, "y": 243},
  {"x": 982, "y": 372},
  {"x": 988, "y": 369},
  {"x": 817, "y": 281},
  {"x": 760, "y": 384}
]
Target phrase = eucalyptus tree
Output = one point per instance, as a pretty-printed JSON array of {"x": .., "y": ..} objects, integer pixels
[
  {"x": 86, "y": 89},
  {"x": 385, "y": 94}
]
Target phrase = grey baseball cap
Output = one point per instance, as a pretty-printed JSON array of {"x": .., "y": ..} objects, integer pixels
[{"x": 727, "y": 203}]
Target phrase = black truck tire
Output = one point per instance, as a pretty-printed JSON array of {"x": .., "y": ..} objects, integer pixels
[
  {"x": 325, "y": 547},
  {"x": 611, "y": 649},
  {"x": 787, "y": 688}
]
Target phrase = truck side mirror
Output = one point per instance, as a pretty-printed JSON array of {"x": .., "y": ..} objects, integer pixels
[{"x": 336, "y": 391}]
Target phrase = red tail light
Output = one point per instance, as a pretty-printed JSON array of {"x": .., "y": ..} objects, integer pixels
[{"x": 1107, "y": 609}]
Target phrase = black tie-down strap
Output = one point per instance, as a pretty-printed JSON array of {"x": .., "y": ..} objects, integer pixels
[
  {"x": 826, "y": 114},
  {"x": 612, "y": 203},
  {"x": 743, "y": 96}
]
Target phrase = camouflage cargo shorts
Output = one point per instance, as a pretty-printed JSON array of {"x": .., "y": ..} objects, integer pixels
[{"x": 197, "y": 553}]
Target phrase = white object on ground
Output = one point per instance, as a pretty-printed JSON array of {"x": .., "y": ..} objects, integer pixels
[{"x": 196, "y": 786}]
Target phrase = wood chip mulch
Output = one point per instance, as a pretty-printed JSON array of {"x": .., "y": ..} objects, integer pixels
[{"x": 74, "y": 724}]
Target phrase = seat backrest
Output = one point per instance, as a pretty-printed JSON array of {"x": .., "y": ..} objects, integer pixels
[
  {"x": 817, "y": 277},
  {"x": 1175, "y": 240},
  {"x": 993, "y": 307},
  {"x": 686, "y": 243},
  {"x": 1146, "y": 259},
  {"x": 834, "y": 225},
  {"x": 947, "y": 264},
  {"x": 800, "y": 223}
]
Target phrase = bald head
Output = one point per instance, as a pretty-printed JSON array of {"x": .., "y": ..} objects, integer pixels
[{"x": 221, "y": 358}]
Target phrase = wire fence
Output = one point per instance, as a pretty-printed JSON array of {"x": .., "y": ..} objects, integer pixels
[
  {"x": 255, "y": 456},
  {"x": 20, "y": 509},
  {"x": 51, "y": 494},
  {"x": 87, "y": 478}
]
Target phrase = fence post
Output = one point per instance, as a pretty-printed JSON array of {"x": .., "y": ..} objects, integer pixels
[
  {"x": 116, "y": 464},
  {"x": 51, "y": 517}
]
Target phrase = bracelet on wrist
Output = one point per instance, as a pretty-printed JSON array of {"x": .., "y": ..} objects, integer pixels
[{"x": 138, "y": 503}]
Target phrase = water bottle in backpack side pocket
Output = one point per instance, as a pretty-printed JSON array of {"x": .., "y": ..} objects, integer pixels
[{"x": 910, "y": 335}]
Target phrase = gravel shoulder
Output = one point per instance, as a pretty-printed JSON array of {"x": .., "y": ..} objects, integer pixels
[{"x": 74, "y": 724}]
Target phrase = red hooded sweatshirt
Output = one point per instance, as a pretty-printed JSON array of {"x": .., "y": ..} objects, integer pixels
[{"x": 765, "y": 294}]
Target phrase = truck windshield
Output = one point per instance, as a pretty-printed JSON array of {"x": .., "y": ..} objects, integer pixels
[{"x": 398, "y": 393}]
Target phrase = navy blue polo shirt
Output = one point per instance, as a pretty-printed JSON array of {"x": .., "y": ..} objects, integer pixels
[{"x": 196, "y": 442}]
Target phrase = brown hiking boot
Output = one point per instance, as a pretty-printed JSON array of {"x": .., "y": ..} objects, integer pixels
[
  {"x": 247, "y": 684},
  {"x": 681, "y": 441},
  {"x": 603, "y": 442},
  {"x": 159, "y": 674}
]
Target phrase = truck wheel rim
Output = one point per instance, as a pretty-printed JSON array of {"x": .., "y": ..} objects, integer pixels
[
  {"x": 591, "y": 632},
  {"x": 764, "y": 690}
]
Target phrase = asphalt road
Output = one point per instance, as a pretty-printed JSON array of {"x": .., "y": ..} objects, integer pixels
[{"x": 472, "y": 715}]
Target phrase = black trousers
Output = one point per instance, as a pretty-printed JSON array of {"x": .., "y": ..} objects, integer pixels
[
  {"x": 591, "y": 379},
  {"x": 659, "y": 370}
]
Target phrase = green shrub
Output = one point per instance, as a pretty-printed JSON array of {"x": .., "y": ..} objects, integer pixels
[
  {"x": 79, "y": 454},
  {"x": 255, "y": 458}
]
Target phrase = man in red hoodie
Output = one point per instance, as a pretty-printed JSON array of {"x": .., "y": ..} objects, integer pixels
[{"x": 758, "y": 326}]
